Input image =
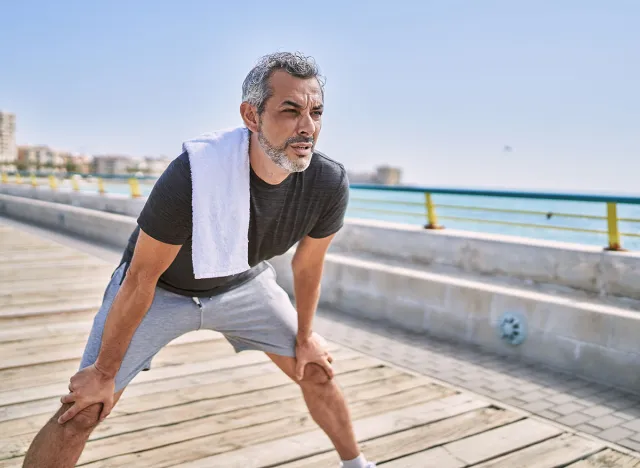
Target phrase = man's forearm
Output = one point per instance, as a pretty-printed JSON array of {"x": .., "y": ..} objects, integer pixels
[
  {"x": 306, "y": 285},
  {"x": 129, "y": 307}
]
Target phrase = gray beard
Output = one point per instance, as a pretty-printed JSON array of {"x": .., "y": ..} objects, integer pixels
[{"x": 279, "y": 157}]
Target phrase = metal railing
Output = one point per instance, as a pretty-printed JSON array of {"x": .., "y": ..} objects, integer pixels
[
  {"x": 54, "y": 180},
  {"x": 429, "y": 209},
  {"x": 426, "y": 209}
]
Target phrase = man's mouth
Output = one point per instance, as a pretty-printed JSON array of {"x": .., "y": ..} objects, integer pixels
[{"x": 302, "y": 149}]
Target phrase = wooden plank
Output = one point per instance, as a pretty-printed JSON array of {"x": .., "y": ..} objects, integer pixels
[
  {"x": 51, "y": 309},
  {"x": 100, "y": 277},
  {"x": 161, "y": 371},
  {"x": 63, "y": 352},
  {"x": 282, "y": 449},
  {"x": 399, "y": 444},
  {"x": 13, "y": 323},
  {"x": 50, "y": 405},
  {"x": 559, "y": 451},
  {"x": 24, "y": 346},
  {"x": 607, "y": 458},
  {"x": 502, "y": 440},
  {"x": 168, "y": 391},
  {"x": 257, "y": 427},
  {"x": 76, "y": 289},
  {"x": 42, "y": 256},
  {"x": 218, "y": 384},
  {"x": 35, "y": 299},
  {"x": 437, "y": 457},
  {"x": 17, "y": 274},
  {"x": 60, "y": 265},
  {"x": 26, "y": 391},
  {"x": 37, "y": 333},
  {"x": 164, "y": 366},
  {"x": 284, "y": 394}
]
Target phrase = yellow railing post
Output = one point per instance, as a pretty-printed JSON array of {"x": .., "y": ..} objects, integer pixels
[
  {"x": 612, "y": 225},
  {"x": 5, "y": 178},
  {"x": 101, "y": 189},
  {"x": 53, "y": 182},
  {"x": 18, "y": 178},
  {"x": 74, "y": 184},
  {"x": 34, "y": 181},
  {"x": 135, "y": 188},
  {"x": 432, "y": 219}
]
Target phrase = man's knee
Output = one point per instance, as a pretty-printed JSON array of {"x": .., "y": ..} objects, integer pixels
[
  {"x": 83, "y": 422},
  {"x": 314, "y": 374}
]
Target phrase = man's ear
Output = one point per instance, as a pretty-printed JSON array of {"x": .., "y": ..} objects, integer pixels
[{"x": 249, "y": 116}]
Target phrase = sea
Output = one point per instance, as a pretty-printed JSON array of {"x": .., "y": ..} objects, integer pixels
[{"x": 390, "y": 206}]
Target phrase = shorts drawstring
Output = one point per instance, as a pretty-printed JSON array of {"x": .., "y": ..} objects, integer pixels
[{"x": 199, "y": 304}]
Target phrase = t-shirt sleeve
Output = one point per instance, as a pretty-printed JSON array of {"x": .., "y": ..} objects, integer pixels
[
  {"x": 166, "y": 215},
  {"x": 332, "y": 218}
]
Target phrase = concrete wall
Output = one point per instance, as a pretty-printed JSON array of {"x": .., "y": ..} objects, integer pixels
[
  {"x": 576, "y": 266},
  {"x": 108, "y": 228},
  {"x": 111, "y": 203},
  {"x": 586, "y": 338}
]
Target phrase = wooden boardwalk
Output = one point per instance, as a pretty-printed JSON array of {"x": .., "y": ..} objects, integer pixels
[{"x": 203, "y": 406}]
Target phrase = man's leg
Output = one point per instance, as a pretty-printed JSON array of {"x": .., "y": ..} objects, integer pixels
[
  {"x": 60, "y": 445},
  {"x": 326, "y": 403},
  {"x": 259, "y": 315},
  {"x": 170, "y": 316}
]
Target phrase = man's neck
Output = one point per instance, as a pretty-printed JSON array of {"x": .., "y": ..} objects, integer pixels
[{"x": 263, "y": 166}]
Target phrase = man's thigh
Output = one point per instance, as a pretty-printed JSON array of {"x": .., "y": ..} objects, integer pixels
[
  {"x": 257, "y": 315},
  {"x": 169, "y": 317}
]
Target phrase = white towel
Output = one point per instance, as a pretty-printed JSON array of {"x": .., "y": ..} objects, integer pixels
[{"x": 220, "y": 175}]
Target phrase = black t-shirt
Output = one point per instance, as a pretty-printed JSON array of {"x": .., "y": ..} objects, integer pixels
[{"x": 309, "y": 203}]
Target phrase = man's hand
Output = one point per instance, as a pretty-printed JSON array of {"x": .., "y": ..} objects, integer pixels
[
  {"x": 88, "y": 387},
  {"x": 312, "y": 350}
]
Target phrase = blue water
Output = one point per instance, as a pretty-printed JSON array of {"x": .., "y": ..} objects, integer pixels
[{"x": 357, "y": 209}]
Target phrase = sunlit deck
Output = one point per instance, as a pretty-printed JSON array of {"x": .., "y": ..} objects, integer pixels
[{"x": 201, "y": 405}]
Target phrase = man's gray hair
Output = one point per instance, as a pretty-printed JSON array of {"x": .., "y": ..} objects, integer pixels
[{"x": 255, "y": 88}]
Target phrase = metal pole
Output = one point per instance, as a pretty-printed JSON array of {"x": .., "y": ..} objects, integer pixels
[
  {"x": 612, "y": 224},
  {"x": 432, "y": 219}
]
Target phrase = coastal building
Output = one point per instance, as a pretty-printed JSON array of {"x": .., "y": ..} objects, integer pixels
[{"x": 8, "y": 150}]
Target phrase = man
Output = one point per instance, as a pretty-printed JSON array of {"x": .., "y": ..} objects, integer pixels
[{"x": 297, "y": 195}]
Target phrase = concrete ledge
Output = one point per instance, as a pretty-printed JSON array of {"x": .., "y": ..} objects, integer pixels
[
  {"x": 111, "y": 203},
  {"x": 575, "y": 266},
  {"x": 110, "y": 229}
]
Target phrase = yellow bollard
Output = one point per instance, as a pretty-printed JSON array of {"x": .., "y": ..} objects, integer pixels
[
  {"x": 34, "y": 181},
  {"x": 74, "y": 184},
  {"x": 53, "y": 182},
  {"x": 18, "y": 178},
  {"x": 101, "y": 189},
  {"x": 5, "y": 178},
  {"x": 432, "y": 219},
  {"x": 135, "y": 188},
  {"x": 612, "y": 225}
]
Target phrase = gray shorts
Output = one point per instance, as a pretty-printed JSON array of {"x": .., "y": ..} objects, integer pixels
[{"x": 257, "y": 315}]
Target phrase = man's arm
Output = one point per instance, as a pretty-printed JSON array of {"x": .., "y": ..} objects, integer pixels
[
  {"x": 95, "y": 384},
  {"x": 150, "y": 260},
  {"x": 307, "y": 266}
]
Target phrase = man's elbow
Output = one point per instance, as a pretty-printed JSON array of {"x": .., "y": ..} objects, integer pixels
[{"x": 140, "y": 278}]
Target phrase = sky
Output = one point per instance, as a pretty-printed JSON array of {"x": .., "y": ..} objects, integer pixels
[{"x": 438, "y": 88}]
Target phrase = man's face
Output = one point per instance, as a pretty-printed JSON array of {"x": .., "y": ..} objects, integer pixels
[{"x": 288, "y": 128}]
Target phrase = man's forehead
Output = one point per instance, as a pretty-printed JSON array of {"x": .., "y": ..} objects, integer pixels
[{"x": 287, "y": 87}]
